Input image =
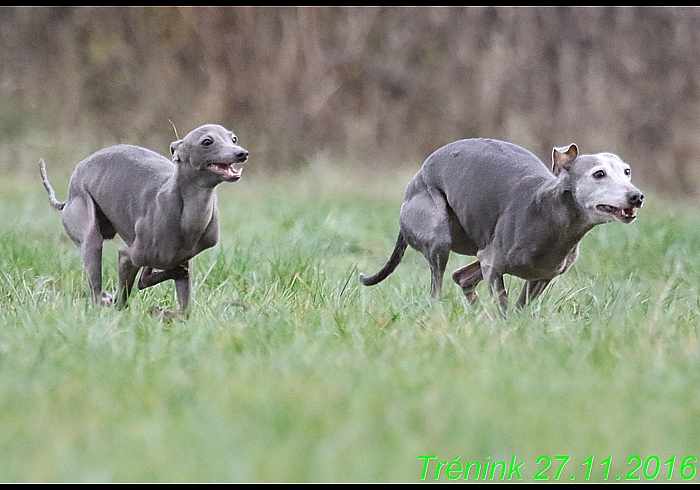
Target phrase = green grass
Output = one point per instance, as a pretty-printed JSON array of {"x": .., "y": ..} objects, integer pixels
[{"x": 288, "y": 370}]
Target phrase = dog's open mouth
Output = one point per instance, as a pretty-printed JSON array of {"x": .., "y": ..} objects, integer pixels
[
  {"x": 626, "y": 215},
  {"x": 226, "y": 170}
]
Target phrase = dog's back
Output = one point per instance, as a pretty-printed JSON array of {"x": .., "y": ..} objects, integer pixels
[
  {"x": 129, "y": 165},
  {"x": 480, "y": 178},
  {"x": 497, "y": 167},
  {"x": 139, "y": 172}
]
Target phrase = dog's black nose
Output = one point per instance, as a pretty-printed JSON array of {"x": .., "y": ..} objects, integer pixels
[
  {"x": 635, "y": 198},
  {"x": 242, "y": 155}
]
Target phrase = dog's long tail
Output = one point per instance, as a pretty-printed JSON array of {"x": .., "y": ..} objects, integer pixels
[
  {"x": 391, "y": 264},
  {"x": 56, "y": 204}
]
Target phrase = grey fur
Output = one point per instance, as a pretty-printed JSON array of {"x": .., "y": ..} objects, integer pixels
[
  {"x": 166, "y": 212},
  {"x": 498, "y": 201}
]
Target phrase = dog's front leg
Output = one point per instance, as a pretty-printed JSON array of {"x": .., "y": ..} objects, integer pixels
[
  {"x": 496, "y": 283},
  {"x": 182, "y": 286},
  {"x": 531, "y": 290},
  {"x": 493, "y": 276},
  {"x": 149, "y": 278},
  {"x": 127, "y": 276},
  {"x": 180, "y": 274},
  {"x": 496, "y": 286}
]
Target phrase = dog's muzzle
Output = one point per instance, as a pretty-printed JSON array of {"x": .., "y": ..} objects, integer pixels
[
  {"x": 627, "y": 214},
  {"x": 227, "y": 171}
]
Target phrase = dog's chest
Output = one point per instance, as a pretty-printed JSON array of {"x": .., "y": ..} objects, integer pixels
[
  {"x": 172, "y": 241},
  {"x": 539, "y": 262}
]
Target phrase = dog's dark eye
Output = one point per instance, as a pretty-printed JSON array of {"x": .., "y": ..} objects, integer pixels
[
  {"x": 628, "y": 172},
  {"x": 599, "y": 174},
  {"x": 234, "y": 139},
  {"x": 207, "y": 142}
]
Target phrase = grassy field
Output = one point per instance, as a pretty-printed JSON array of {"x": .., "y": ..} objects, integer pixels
[{"x": 288, "y": 370}]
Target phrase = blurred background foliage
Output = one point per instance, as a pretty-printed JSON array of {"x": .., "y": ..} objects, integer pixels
[{"x": 363, "y": 87}]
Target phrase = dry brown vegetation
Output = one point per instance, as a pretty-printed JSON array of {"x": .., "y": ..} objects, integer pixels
[{"x": 367, "y": 86}]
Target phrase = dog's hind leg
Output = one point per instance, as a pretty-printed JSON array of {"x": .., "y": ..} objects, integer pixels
[
  {"x": 468, "y": 277},
  {"x": 80, "y": 221},
  {"x": 426, "y": 225},
  {"x": 531, "y": 290}
]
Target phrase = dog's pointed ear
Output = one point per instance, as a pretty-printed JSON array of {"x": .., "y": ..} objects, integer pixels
[
  {"x": 562, "y": 158},
  {"x": 173, "y": 150}
]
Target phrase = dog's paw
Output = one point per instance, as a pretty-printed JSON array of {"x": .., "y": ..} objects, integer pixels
[
  {"x": 106, "y": 299},
  {"x": 240, "y": 304},
  {"x": 163, "y": 313}
]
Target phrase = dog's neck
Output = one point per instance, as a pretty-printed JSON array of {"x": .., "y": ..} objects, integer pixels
[
  {"x": 197, "y": 202},
  {"x": 563, "y": 211}
]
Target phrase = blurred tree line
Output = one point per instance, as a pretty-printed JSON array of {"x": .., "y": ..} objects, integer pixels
[{"x": 366, "y": 86}]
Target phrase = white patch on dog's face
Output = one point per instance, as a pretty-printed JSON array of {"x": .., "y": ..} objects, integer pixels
[{"x": 604, "y": 189}]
